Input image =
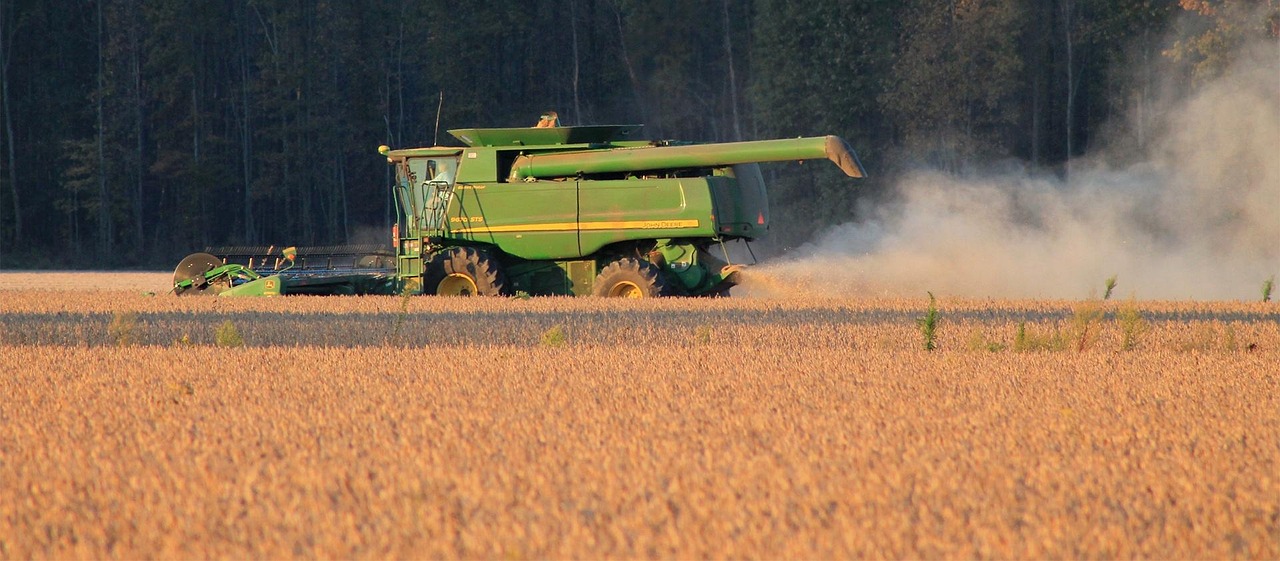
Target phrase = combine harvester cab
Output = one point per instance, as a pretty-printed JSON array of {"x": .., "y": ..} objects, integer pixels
[{"x": 545, "y": 211}]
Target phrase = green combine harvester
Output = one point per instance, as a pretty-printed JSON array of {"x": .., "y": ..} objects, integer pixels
[{"x": 559, "y": 210}]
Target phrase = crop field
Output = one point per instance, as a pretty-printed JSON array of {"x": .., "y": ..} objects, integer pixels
[{"x": 136, "y": 424}]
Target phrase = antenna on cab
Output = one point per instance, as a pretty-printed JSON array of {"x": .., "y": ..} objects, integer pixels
[{"x": 435, "y": 140}]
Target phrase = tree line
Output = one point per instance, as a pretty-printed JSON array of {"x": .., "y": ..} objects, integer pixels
[{"x": 137, "y": 131}]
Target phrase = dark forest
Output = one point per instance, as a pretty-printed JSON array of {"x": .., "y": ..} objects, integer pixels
[{"x": 134, "y": 132}]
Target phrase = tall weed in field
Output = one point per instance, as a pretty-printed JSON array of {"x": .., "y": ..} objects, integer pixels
[
  {"x": 394, "y": 338},
  {"x": 1084, "y": 324},
  {"x": 1026, "y": 340},
  {"x": 978, "y": 341},
  {"x": 1109, "y": 285},
  {"x": 1267, "y": 285},
  {"x": 228, "y": 336},
  {"x": 1207, "y": 338},
  {"x": 125, "y": 329},
  {"x": 1132, "y": 325},
  {"x": 1202, "y": 339},
  {"x": 929, "y": 324},
  {"x": 703, "y": 334},
  {"x": 553, "y": 337},
  {"x": 179, "y": 390}
]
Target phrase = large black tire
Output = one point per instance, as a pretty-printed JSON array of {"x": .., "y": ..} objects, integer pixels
[
  {"x": 630, "y": 278},
  {"x": 464, "y": 271}
]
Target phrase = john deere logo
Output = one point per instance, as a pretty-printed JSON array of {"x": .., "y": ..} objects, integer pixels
[{"x": 271, "y": 285}]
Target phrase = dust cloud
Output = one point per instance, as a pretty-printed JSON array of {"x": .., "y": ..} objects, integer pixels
[
  {"x": 371, "y": 235},
  {"x": 1195, "y": 216}
]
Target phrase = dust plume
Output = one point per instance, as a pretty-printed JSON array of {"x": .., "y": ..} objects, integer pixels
[
  {"x": 1196, "y": 216},
  {"x": 371, "y": 235}
]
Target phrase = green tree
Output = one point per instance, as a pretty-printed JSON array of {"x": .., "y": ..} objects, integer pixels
[
  {"x": 935, "y": 97},
  {"x": 819, "y": 68}
]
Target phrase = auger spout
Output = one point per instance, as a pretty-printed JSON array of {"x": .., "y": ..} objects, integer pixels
[{"x": 645, "y": 158}]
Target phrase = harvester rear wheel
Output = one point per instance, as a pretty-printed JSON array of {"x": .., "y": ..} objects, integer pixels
[
  {"x": 193, "y": 268},
  {"x": 464, "y": 271},
  {"x": 630, "y": 278}
]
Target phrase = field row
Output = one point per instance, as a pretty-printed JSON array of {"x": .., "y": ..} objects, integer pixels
[
  {"x": 750, "y": 449},
  {"x": 118, "y": 317}
]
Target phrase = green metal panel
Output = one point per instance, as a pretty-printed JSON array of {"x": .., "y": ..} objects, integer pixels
[
  {"x": 536, "y": 277},
  {"x": 642, "y": 209},
  {"x": 681, "y": 262},
  {"x": 349, "y": 284},
  {"x": 478, "y": 166},
  {"x": 570, "y": 219},
  {"x": 741, "y": 203},
  {"x": 265, "y": 286},
  {"x": 569, "y": 277},
  {"x": 582, "y": 276},
  {"x": 535, "y": 220},
  {"x": 410, "y": 266},
  {"x": 434, "y": 152}
]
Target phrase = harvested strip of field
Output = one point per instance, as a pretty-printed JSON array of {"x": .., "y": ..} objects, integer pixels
[{"x": 68, "y": 318}]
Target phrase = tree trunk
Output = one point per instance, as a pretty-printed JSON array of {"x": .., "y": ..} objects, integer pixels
[
  {"x": 573, "y": 24},
  {"x": 399, "y": 133},
  {"x": 136, "y": 62},
  {"x": 104, "y": 201},
  {"x": 197, "y": 125},
  {"x": 342, "y": 196},
  {"x": 1068, "y": 7},
  {"x": 1144, "y": 89},
  {"x": 631, "y": 71},
  {"x": 195, "y": 122},
  {"x": 733, "y": 79},
  {"x": 11, "y": 167},
  {"x": 246, "y": 135}
]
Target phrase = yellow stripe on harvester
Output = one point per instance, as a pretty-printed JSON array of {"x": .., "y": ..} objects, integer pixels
[{"x": 570, "y": 226}]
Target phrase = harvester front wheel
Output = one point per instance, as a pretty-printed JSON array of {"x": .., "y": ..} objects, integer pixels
[
  {"x": 630, "y": 278},
  {"x": 464, "y": 271}
]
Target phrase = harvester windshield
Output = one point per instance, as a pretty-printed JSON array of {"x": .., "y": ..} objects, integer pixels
[{"x": 427, "y": 188}]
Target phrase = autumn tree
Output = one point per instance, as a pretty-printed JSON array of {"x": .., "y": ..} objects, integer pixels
[{"x": 1220, "y": 28}]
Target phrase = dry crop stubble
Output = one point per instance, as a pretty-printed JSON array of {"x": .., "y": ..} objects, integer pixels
[
  {"x": 592, "y": 451},
  {"x": 86, "y": 281},
  {"x": 792, "y": 429}
]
